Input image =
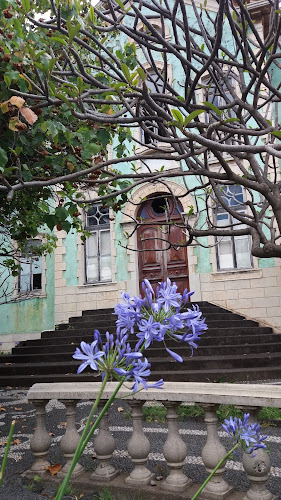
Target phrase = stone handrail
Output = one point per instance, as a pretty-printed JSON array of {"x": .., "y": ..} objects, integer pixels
[{"x": 248, "y": 397}]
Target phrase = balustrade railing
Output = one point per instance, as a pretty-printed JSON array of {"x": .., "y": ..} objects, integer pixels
[{"x": 248, "y": 397}]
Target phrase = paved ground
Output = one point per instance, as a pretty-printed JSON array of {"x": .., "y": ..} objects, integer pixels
[{"x": 14, "y": 405}]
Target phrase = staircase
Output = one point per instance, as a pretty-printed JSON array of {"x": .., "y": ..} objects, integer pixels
[{"x": 232, "y": 349}]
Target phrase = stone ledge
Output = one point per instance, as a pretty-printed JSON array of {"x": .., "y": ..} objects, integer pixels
[
  {"x": 85, "y": 288},
  {"x": 121, "y": 491},
  {"x": 192, "y": 392},
  {"x": 236, "y": 275}
]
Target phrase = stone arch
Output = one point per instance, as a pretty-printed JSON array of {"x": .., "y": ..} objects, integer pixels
[{"x": 143, "y": 192}]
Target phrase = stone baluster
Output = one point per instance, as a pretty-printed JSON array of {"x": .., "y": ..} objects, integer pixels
[
  {"x": 71, "y": 438},
  {"x": 175, "y": 451},
  {"x": 257, "y": 467},
  {"x": 104, "y": 444},
  {"x": 41, "y": 440},
  {"x": 138, "y": 448},
  {"x": 213, "y": 451}
]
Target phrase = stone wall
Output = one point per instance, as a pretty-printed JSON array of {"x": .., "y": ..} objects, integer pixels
[{"x": 254, "y": 293}]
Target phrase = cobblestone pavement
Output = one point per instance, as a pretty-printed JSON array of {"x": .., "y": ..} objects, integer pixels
[{"x": 14, "y": 406}]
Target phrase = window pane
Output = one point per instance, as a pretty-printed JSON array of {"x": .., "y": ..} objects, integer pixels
[
  {"x": 105, "y": 268},
  {"x": 225, "y": 254},
  {"x": 37, "y": 265},
  {"x": 92, "y": 269},
  {"x": 243, "y": 257},
  {"x": 24, "y": 282},
  {"x": 37, "y": 281},
  {"x": 92, "y": 245},
  {"x": 105, "y": 243}
]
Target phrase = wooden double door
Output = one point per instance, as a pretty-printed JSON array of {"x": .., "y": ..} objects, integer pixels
[{"x": 157, "y": 259}]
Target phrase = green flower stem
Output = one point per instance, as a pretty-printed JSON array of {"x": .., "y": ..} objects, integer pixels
[
  {"x": 83, "y": 439},
  {"x": 7, "y": 451},
  {"x": 215, "y": 470}
]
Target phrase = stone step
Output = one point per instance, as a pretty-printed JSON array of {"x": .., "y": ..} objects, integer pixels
[
  {"x": 203, "y": 306},
  {"x": 102, "y": 313},
  {"x": 164, "y": 363},
  {"x": 240, "y": 329},
  {"x": 55, "y": 352},
  {"x": 233, "y": 348},
  {"x": 207, "y": 375},
  {"x": 111, "y": 319},
  {"x": 209, "y": 338}
]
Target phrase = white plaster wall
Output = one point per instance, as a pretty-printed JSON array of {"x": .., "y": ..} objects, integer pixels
[{"x": 256, "y": 293}]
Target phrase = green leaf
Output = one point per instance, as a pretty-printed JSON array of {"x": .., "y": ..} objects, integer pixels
[
  {"x": 18, "y": 28},
  {"x": 72, "y": 30},
  {"x": 50, "y": 220},
  {"x": 58, "y": 40},
  {"x": 90, "y": 150},
  {"x": 126, "y": 72},
  {"x": 141, "y": 72},
  {"x": 66, "y": 226},
  {"x": 214, "y": 108},
  {"x": 229, "y": 120},
  {"x": 7, "y": 80},
  {"x": 175, "y": 123},
  {"x": 192, "y": 115},
  {"x": 103, "y": 136},
  {"x": 277, "y": 133},
  {"x": 63, "y": 99},
  {"x": 61, "y": 213},
  {"x": 92, "y": 14},
  {"x": 26, "y": 5},
  {"x": 120, "y": 3},
  {"x": 80, "y": 83},
  {"x": 178, "y": 116},
  {"x": 3, "y": 157}
]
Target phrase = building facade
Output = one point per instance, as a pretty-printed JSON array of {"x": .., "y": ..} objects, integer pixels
[{"x": 79, "y": 276}]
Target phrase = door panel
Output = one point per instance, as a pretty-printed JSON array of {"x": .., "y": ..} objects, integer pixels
[
  {"x": 157, "y": 262},
  {"x": 150, "y": 254}
]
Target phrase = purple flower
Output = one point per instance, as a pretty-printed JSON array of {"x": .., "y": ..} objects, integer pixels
[
  {"x": 148, "y": 286},
  {"x": 245, "y": 433},
  {"x": 149, "y": 330},
  {"x": 168, "y": 295},
  {"x": 138, "y": 373},
  {"x": 176, "y": 356},
  {"x": 89, "y": 356}
]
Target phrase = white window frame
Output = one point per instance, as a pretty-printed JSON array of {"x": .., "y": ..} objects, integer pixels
[
  {"x": 97, "y": 229},
  {"x": 30, "y": 260},
  {"x": 240, "y": 209}
]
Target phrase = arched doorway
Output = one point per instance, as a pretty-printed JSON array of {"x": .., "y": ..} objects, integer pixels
[{"x": 156, "y": 260}]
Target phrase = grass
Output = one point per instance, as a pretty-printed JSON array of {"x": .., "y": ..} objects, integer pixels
[
  {"x": 268, "y": 414},
  {"x": 105, "y": 494}
]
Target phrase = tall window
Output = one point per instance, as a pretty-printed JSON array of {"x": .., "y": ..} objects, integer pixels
[
  {"x": 30, "y": 277},
  {"x": 154, "y": 85},
  {"x": 98, "y": 254},
  {"x": 233, "y": 252},
  {"x": 219, "y": 97}
]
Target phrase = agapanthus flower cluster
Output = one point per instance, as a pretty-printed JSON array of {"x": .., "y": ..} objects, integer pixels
[
  {"x": 116, "y": 358},
  {"x": 161, "y": 315},
  {"x": 245, "y": 433}
]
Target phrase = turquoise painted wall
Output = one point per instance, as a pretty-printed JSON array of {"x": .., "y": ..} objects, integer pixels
[
  {"x": 70, "y": 258},
  {"x": 31, "y": 315},
  {"x": 121, "y": 252}
]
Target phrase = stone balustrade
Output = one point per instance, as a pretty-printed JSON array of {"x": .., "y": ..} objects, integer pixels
[{"x": 248, "y": 397}]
